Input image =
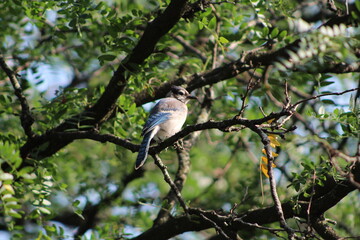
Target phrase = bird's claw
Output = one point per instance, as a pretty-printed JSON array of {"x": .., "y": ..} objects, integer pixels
[{"x": 179, "y": 145}]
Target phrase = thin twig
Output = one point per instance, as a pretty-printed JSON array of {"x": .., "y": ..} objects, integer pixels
[
  {"x": 287, "y": 97},
  {"x": 308, "y": 210},
  {"x": 292, "y": 128},
  {"x": 216, "y": 219},
  {"x": 249, "y": 86},
  {"x": 167, "y": 178},
  {"x": 293, "y": 106},
  {"x": 189, "y": 47},
  {"x": 221, "y": 2},
  {"x": 218, "y": 229},
  {"x": 255, "y": 225}
]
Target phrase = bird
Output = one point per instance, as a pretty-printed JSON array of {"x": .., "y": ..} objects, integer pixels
[{"x": 166, "y": 118}]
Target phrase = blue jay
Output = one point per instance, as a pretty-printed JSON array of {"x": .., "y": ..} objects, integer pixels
[{"x": 165, "y": 119}]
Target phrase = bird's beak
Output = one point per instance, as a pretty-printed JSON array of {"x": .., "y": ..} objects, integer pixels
[{"x": 192, "y": 97}]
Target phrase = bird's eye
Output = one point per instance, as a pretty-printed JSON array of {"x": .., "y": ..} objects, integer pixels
[{"x": 181, "y": 93}]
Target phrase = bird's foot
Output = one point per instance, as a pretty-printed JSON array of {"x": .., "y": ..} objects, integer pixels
[{"x": 179, "y": 145}]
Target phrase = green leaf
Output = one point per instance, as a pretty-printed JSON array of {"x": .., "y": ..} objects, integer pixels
[
  {"x": 212, "y": 23},
  {"x": 132, "y": 109},
  {"x": 265, "y": 31},
  {"x": 3, "y": 99},
  {"x": 79, "y": 213},
  {"x": 201, "y": 25},
  {"x": 328, "y": 101},
  {"x": 274, "y": 32},
  {"x": 51, "y": 229},
  {"x": 25, "y": 170},
  {"x": 76, "y": 203},
  {"x": 13, "y": 205},
  {"x": 106, "y": 57},
  {"x": 357, "y": 4},
  {"x": 223, "y": 40},
  {"x": 326, "y": 83},
  {"x": 306, "y": 194},
  {"x": 297, "y": 186},
  {"x": 14, "y": 214},
  {"x": 99, "y": 6},
  {"x": 10, "y": 199},
  {"x": 282, "y": 35}
]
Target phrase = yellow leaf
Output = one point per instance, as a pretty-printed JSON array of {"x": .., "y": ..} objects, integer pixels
[
  {"x": 271, "y": 120},
  {"x": 265, "y": 160},
  {"x": 264, "y": 170},
  {"x": 273, "y": 136},
  {"x": 274, "y": 154},
  {"x": 273, "y": 141}
]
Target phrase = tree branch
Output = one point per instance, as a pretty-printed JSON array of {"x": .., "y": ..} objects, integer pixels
[
  {"x": 323, "y": 95},
  {"x": 104, "y": 107},
  {"x": 324, "y": 230},
  {"x": 167, "y": 179},
  {"x": 25, "y": 117},
  {"x": 225, "y": 125},
  {"x": 332, "y": 193},
  {"x": 249, "y": 60},
  {"x": 265, "y": 140},
  {"x": 189, "y": 47}
]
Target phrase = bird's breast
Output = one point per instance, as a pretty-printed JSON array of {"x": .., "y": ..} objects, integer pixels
[{"x": 170, "y": 127}]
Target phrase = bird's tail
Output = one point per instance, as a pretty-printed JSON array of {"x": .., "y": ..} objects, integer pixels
[{"x": 143, "y": 151}]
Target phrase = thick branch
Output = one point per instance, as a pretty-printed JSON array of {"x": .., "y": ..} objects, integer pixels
[
  {"x": 324, "y": 230},
  {"x": 249, "y": 60},
  {"x": 225, "y": 125},
  {"x": 102, "y": 110},
  {"x": 175, "y": 226},
  {"x": 63, "y": 137},
  {"x": 104, "y": 107}
]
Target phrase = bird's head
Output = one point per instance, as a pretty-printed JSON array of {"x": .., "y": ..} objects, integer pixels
[{"x": 180, "y": 94}]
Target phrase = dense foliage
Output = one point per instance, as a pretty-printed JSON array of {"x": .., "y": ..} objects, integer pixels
[{"x": 271, "y": 149}]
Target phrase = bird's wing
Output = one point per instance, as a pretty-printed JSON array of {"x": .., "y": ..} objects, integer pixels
[{"x": 154, "y": 120}]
